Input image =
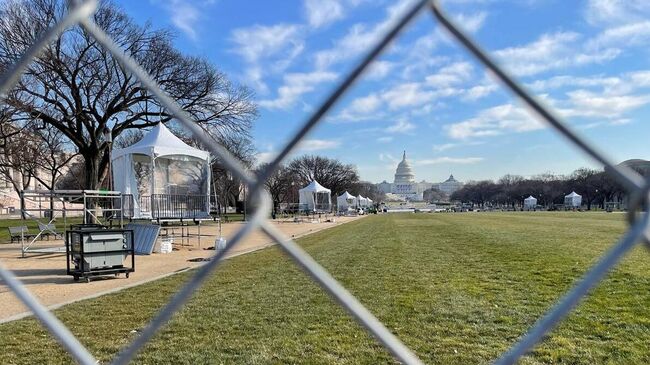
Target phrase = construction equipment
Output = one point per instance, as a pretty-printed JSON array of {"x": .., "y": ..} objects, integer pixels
[{"x": 94, "y": 251}]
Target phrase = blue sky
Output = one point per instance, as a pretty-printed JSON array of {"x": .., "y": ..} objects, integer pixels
[{"x": 589, "y": 59}]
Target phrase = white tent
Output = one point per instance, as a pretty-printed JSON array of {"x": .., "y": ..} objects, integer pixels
[
  {"x": 166, "y": 177},
  {"x": 361, "y": 201},
  {"x": 345, "y": 202},
  {"x": 573, "y": 200},
  {"x": 315, "y": 198},
  {"x": 530, "y": 203}
]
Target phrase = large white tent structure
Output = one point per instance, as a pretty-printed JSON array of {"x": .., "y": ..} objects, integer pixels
[
  {"x": 530, "y": 203},
  {"x": 573, "y": 200},
  {"x": 346, "y": 202},
  {"x": 166, "y": 177},
  {"x": 315, "y": 198}
]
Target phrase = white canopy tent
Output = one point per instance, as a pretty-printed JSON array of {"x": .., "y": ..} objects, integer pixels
[
  {"x": 315, "y": 198},
  {"x": 362, "y": 202},
  {"x": 530, "y": 203},
  {"x": 166, "y": 177},
  {"x": 346, "y": 202},
  {"x": 573, "y": 200}
]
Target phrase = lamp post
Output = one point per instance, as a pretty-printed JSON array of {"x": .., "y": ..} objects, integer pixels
[
  {"x": 108, "y": 138},
  {"x": 292, "y": 193}
]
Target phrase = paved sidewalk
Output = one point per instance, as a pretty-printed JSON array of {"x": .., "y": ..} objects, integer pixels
[{"x": 45, "y": 277}]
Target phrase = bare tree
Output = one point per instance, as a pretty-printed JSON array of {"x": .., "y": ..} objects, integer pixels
[
  {"x": 583, "y": 182},
  {"x": 331, "y": 173},
  {"x": 434, "y": 195},
  {"x": 79, "y": 88},
  {"x": 228, "y": 187},
  {"x": 367, "y": 190},
  {"x": 17, "y": 160},
  {"x": 279, "y": 184},
  {"x": 52, "y": 155}
]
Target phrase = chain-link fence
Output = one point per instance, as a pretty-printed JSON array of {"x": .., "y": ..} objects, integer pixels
[{"x": 80, "y": 13}]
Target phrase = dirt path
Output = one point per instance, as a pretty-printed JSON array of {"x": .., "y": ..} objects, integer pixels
[{"x": 46, "y": 278}]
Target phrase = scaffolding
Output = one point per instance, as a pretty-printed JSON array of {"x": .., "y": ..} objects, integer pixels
[{"x": 94, "y": 206}]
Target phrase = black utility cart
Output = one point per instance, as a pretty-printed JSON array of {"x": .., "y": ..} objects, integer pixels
[{"x": 96, "y": 251}]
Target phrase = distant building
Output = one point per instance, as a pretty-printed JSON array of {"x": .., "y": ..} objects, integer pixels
[
  {"x": 450, "y": 185},
  {"x": 639, "y": 165},
  {"x": 404, "y": 186}
]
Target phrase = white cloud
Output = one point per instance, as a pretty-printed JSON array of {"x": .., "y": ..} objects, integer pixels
[
  {"x": 449, "y": 160},
  {"x": 444, "y": 147},
  {"x": 407, "y": 95},
  {"x": 360, "y": 36},
  {"x": 552, "y": 51},
  {"x": 379, "y": 69},
  {"x": 185, "y": 15},
  {"x": 385, "y": 139},
  {"x": 421, "y": 56},
  {"x": 258, "y": 41},
  {"x": 616, "y": 11},
  {"x": 387, "y": 157},
  {"x": 468, "y": 22},
  {"x": 632, "y": 34},
  {"x": 295, "y": 85},
  {"x": 265, "y": 157},
  {"x": 494, "y": 121},
  {"x": 267, "y": 49},
  {"x": 309, "y": 145},
  {"x": 471, "y": 22},
  {"x": 622, "y": 84},
  {"x": 639, "y": 78},
  {"x": 419, "y": 98},
  {"x": 561, "y": 81},
  {"x": 366, "y": 104},
  {"x": 323, "y": 12},
  {"x": 451, "y": 75},
  {"x": 585, "y": 103},
  {"x": 402, "y": 126},
  {"x": 403, "y": 95},
  {"x": 448, "y": 146},
  {"x": 621, "y": 121},
  {"x": 479, "y": 91}
]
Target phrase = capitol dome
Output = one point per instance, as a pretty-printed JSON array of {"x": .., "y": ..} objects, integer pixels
[{"x": 404, "y": 173}]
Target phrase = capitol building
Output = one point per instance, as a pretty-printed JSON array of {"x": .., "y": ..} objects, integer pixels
[{"x": 404, "y": 186}]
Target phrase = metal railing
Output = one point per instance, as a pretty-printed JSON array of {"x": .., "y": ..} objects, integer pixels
[
  {"x": 168, "y": 206},
  {"x": 80, "y": 13}
]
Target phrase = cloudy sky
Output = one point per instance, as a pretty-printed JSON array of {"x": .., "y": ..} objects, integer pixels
[{"x": 588, "y": 59}]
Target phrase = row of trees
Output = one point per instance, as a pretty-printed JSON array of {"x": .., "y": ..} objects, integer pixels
[
  {"x": 595, "y": 186},
  {"x": 284, "y": 184}
]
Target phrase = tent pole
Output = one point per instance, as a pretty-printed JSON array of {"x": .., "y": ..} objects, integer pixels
[{"x": 153, "y": 184}]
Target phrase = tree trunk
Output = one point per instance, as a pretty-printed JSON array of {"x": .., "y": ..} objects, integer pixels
[
  {"x": 22, "y": 206},
  {"x": 91, "y": 163}
]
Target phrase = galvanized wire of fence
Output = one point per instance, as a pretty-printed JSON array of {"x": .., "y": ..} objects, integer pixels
[{"x": 80, "y": 13}]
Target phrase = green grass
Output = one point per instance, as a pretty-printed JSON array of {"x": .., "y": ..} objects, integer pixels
[
  {"x": 456, "y": 288},
  {"x": 32, "y": 225}
]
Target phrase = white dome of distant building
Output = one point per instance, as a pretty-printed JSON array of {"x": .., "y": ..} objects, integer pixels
[
  {"x": 404, "y": 186},
  {"x": 404, "y": 173},
  {"x": 637, "y": 164}
]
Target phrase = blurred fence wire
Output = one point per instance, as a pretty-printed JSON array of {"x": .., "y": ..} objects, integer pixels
[{"x": 81, "y": 12}]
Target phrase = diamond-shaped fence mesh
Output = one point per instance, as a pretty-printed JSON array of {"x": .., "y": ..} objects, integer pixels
[{"x": 80, "y": 13}]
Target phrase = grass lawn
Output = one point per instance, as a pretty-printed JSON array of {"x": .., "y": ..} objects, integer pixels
[
  {"x": 32, "y": 225},
  {"x": 456, "y": 288}
]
